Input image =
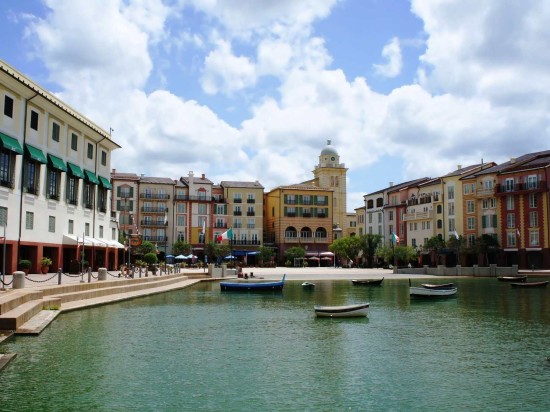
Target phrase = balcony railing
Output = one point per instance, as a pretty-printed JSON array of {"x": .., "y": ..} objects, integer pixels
[
  {"x": 522, "y": 187},
  {"x": 220, "y": 225},
  {"x": 158, "y": 239},
  {"x": 158, "y": 223},
  {"x": 250, "y": 200},
  {"x": 237, "y": 200},
  {"x": 154, "y": 196},
  {"x": 7, "y": 183},
  {"x": 237, "y": 213},
  {"x": 154, "y": 209},
  {"x": 239, "y": 242},
  {"x": 251, "y": 213}
]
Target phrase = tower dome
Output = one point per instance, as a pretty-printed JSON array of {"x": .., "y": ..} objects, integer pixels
[{"x": 329, "y": 150}]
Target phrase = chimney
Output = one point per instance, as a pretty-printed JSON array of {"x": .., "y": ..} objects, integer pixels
[
  {"x": 391, "y": 184},
  {"x": 512, "y": 160},
  {"x": 458, "y": 167},
  {"x": 203, "y": 176},
  {"x": 114, "y": 171}
]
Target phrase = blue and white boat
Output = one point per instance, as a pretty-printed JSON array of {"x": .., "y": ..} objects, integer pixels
[{"x": 253, "y": 285}]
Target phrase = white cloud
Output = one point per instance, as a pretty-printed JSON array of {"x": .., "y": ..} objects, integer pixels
[
  {"x": 224, "y": 72},
  {"x": 394, "y": 62}
]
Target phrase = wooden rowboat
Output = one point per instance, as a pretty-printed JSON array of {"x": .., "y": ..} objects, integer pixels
[
  {"x": 422, "y": 292},
  {"x": 530, "y": 284},
  {"x": 308, "y": 285},
  {"x": 348, "y": 311},
  {"x": 438, "y": 286},
  {"x": 367, "y": 282},
  {"x": 512, "y": 278},
  {"x": 253, "y": 286}
]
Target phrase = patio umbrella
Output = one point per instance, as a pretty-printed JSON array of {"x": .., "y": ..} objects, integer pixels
[
  {"x": 191, "y": 256},
  {"x": 230, "y": 257},
  {"x": 169, "y": 256},
  {"x": 181, "y": 257},
  {"x": 313, "y": 258}
]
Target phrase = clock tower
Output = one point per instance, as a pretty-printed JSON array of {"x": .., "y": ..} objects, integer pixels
[{"x": 331, "y": 174}]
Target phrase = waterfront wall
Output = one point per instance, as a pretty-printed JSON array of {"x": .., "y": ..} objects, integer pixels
[{"x": 481, "y": 271}]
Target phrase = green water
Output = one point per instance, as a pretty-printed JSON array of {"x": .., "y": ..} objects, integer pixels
[{"x": 200, "y": 349}]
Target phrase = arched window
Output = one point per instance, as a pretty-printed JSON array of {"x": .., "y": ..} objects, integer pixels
[
  {"x": 305, "y": 233},
  {"x": 291, "y": 232},
  {"x": 321, "y": 233}
]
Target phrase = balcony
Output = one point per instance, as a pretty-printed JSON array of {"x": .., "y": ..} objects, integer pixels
[
  {"x": 250, "y": 200},
  {"x": 7, "y": 183},
  {"x": 162, "y": 196},
  {"x": 157, "y": 239},
  {"x": 220, "y": 225},
  {"x": 418, "y": 215},
  {"x": 251, "y": 213},
  {"x": 517, "y": 188},
  {"x": 154, "y": 209},
  {"x": 237, "y": 213},
  {"x": 150, "y": 223},
  {"x": 489, "y": 192},
  {"x": 237, "y": 200},
  {"x": 241, "y": 242}
]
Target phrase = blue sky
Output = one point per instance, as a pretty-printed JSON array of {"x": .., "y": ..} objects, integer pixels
[{"x": 252, "y": 90}]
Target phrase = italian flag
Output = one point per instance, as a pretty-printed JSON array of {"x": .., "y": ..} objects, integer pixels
[
  {"x": 395, "y": 238},
  {"x": 228, "y": 234}
]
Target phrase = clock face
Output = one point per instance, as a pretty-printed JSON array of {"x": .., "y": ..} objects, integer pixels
[{"x": 333, "y": 158}]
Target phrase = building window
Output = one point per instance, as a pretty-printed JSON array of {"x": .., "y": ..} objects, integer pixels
[
  {"x": 113, "y": 233},
  {"x": 450, "y": 192},
  {"x": 451, "y": 209},
  {"x": 532, "y": 200},
  {"x": 470, "y": 206},
  {"x": 71, "y": 227},
  {"x": 29, "y": 220},
  {"x": 55, "y": 132},
  {"x": 452, "y": 225},
  {"x": 3, "y": 216},
  {"x": 103, "y": 158},
  {"x": 533, "y": 219},
  {"x": 74, "y": 141},
  {"x": 102, "y": 199},
  {"x": 471, "y": 223},
  {"x": 51, "y": 224},
  {"x": 534, "y": 238},
  {"x": 87, "y": 229},
  {"x": 54, "y": 178},
  {"x": 31, "y": 176},
  {"x": 72, "y": 190},
  {"x": 202, "y": 209},
  {"x": 237, "y": 198},
  {"x": 181, "y": 238},
  {"x": 100, "y": 232},
  {"x": 510, "y": 202},
  {"x": 89, "y": 191},
  {"x": 509, "y": 185},
  {"x": 7, "y": 162},
  {"x": 34, "y": 120},
  {"x": 532, "y": 182},
  {"x": 511, "y": 239},
  {"x": 8, "y": 106},
  {"x": 250, "y": 198},
  {"x": 390, "y": 215},
  {"x": 250, "y": 224},
  {"x": 510, "y": 221},
  {"x": 180, "y": 220},
  {"x": 90, "y": 151},
  {"x": 237, "y": 211}
]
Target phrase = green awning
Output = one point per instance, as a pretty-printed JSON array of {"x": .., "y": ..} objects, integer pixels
[
  {"x": 91, "y": 177},
  {"x": 57, "y": 163},
  {"x": 75, "y": 170},
  {"x": 105, "y": 183},
  {"x": 35, "y": 154},
  {"x": 11, "y": 144}
]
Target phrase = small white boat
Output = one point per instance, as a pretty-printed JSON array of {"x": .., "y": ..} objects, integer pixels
[
  {"x": 348, "y": 311},
  {"x": 308, "y": 285},
  {"x": 422, "y": 292}
]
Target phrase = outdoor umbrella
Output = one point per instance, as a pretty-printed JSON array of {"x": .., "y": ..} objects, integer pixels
[
  {"x": 230, "y": 257},
  {"x": 181, "y": 257}
]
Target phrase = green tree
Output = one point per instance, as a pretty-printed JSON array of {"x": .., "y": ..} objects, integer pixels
[
  {"x": 216, "y": 250},
  {"x": 385, "y": 253},
  {"x": 484, "y": 244},
  {"x": 145, "y": 248},
  {"x": 181, "y": 247},
  {"x": 434, "y": 243},
  {"x": 347, "y": 248},
  {"x": 295, "y": 252},
  {"x": 369, "y": 244},
  {"x": 266, "y": 255}
]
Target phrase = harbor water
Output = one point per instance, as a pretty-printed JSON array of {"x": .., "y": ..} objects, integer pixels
[{"x": 200, "y": 349}]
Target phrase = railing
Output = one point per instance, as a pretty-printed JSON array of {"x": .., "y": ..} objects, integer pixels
[
  {"x": 237, "y": 200},
  {"x": 250, "y": 200},
  {"x": 158, "y": 223},
  {"x": 237, "y": 213},
  {"x": 155, "y": 238},
  {"x": 7, "y": 183},
  {"x": 154, "y": 209},
  {"x": 154, "y": 196},
  {"x": 251, "y": 213},
  {"x": 245, "y": 242},
  {"x": 53, "y": 196},
  {"x": 522, "y": 187},
  {"x": 220, "y": 225}
]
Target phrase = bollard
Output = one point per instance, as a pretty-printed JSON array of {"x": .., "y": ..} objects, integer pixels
[
  {"x": 18, "y": 280},
  {"x": 59, "y": 272},
  {"x": 102, "y": 274},
  {"x": 89, "y": 275}
]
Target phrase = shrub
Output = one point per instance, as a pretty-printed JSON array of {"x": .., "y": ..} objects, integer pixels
[
  {"x": 45, "y": 261},
  {"x": 25, "y": 264}
]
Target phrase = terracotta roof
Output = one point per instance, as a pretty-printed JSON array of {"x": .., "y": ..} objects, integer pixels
[
  {"x": 156, "y": 180},
  {"x": 252, "y": 185}
]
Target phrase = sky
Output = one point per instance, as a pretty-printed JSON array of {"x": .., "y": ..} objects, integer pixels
[{"x": 252, "y": 90}]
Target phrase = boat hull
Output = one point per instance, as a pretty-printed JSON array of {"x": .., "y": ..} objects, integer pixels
[
  {"x": 530, "y": 284},
  {"x": 440, "y": 286},
  {"x": 421, "y": 292},
  {"x": 244, "y": 286},
  {"x": 512, "y": 278},
  {"x": 348, "y": 311},
  {"x": 367, "y": 282}
]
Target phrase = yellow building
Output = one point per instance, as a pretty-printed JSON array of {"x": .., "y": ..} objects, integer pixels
[{"x": 299, "y": 215}]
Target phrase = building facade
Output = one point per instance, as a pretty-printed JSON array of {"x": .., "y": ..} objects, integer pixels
[{"x": 54, "y": 181}]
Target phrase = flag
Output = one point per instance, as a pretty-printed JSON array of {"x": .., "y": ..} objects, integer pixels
[
  {"x": 395, "y": 238},
  {"x": 165, "y": 218},
  {"x": 517, "y": 231},
  {"x": 455, "y": 234},
  {"x": 203, "y": 227},
  {"x": 228, "y": 234}
]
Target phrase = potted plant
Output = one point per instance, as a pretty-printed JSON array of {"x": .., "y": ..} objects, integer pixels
[
  {"x": 151, "y": 259},
  {"x": 25, "y": 265},
  {"x": 45, "y": 264}
]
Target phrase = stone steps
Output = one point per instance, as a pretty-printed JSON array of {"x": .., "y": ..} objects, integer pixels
[{"x": 30, "y": 311}]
